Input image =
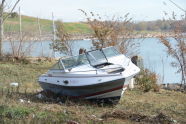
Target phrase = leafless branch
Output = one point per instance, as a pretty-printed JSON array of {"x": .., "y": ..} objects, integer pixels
[
  {"x": 11, "y": 10},
  {"x": 116, "y": 31},
  {"x": 178, "y": 50}
]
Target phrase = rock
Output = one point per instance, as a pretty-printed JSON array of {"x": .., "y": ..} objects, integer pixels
[
  {"x": 65, "y": 111},
  {"x": 38, "y": 90},
  {"x": 60, "y": 103},
  {"x": 40, "y": 96},
  {"x": 33, "y": 115},
  {"x": 72, "y": 122},
  {"x": 100, "y": 119},
  {"x": 163, "y": 86},
  {"x": 174, "y": 121},
  {"x": 21, "y": 100},
  {"x": 29, "y": 101},
  {"x": 173, "y": 86},
  {"x": 14, "y": 84},
  {"x": 94, "y": 116}
]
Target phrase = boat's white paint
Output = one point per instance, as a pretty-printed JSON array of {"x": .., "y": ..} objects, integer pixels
[
  {"x": 130, "y": 68},
  {"x": 79, "y": 78},
  {"x": 86, "y": 75}
]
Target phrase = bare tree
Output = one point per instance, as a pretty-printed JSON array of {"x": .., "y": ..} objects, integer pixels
[
  {"x": 177, "y": 49},
  {"x": 22, "y": 48},
  {"x": 62, "y": 42},
  {"x": 3, "y": 17},
  {"x": 117, "y": 31}
]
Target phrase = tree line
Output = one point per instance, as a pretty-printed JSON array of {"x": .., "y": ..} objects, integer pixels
[{"x": 157, "y": 25}]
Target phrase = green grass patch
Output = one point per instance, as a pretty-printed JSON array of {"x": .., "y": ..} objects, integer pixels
[
  {"x": 25, "y": 74},
  {"x": 14, "y": 112},
  {"x": 30, "y": 24},
  {"x": 42, "y": 115}
]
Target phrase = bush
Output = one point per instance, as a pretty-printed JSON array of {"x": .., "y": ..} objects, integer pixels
[
  {"x": 14, "y": 15},
  {"x": 147, "y": 81},
  {"x": 11, "y": 58}
]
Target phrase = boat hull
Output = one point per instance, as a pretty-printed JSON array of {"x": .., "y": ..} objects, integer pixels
[{"x": 109, "y": 89}]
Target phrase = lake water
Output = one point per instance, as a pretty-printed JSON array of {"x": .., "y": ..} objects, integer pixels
[{"x": 153, "y": 54}]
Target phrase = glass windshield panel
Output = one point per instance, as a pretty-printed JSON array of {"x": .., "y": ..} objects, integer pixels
[
  {"x": 110, "y": 52},
  {"x": 75, "y": 61},
  {"x": 96, "y": 57},
  {"x": 58, "y": 66}
]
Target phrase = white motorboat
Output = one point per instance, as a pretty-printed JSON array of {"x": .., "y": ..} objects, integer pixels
[{"x": 97, "y": 74}]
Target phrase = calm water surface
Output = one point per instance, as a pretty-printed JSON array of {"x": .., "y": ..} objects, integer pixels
[{"x": 153, "y": 54}]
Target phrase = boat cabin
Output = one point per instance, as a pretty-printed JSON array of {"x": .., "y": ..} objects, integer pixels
[{"x": 94, "y": 58}]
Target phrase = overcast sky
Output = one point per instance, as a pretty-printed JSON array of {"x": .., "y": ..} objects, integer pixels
[{"x": 67, "y": 10}]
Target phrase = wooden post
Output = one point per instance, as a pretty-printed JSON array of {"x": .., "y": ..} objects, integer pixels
[
  {"x": 1, "y": 29},
  {"x": 20, "y": 23},
  {"x": 54, "y": 33},
  {"x": 20, "y": 33},
  {"x": 53, "y": 25},
  {"x": 39, "y": 27}
]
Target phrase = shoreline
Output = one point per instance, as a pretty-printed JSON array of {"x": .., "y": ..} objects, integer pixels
[
  {"x": 49, "y": 36},
  {"x": 35, "y": 60}
]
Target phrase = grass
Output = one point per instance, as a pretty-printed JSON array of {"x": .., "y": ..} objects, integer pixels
[
  {"x": 25, "y": 74},
  {"x": 170, "y": 103},
  {"x": 30, "y": 24},
  {"x": 14, "y": 112},
  {"x": 150, "y": 104}
]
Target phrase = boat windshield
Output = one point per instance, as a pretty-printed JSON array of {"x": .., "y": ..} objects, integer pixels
[
  {"x": 96, "y": 57},
  {"x": 110, "y": 52},
  {"x": 57, "y": 66},
  {"x": 74, "y": 61}
]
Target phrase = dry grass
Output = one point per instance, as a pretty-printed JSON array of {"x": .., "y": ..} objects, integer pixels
[
  {"x": 150, "y": 104},
  {"x": 25, "y": 74},
  {"x": 170, "y": 103}
]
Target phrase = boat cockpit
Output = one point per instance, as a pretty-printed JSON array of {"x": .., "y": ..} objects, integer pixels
[{"x": 95, "y": 58}]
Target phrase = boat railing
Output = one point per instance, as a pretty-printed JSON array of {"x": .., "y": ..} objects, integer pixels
[
  {"x": 85, "y": 71},
  {"x": 96, "y": 70}
]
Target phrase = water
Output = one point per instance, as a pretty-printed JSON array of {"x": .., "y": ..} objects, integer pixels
[
  {"x": 43, "y": 48},
  {"x": 155, "y": 58},
  {"x": 153, "y": 53}
]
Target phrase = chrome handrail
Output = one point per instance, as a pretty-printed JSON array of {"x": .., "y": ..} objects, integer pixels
[{"x": 88, "y": 70}]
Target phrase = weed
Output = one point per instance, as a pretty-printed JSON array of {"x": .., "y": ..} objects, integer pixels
[{"x": 147, "y": 80}]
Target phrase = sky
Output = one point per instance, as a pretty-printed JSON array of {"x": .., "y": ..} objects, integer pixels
[{"x": 67, "y": 10}]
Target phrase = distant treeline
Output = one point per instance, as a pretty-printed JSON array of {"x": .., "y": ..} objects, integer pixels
[
  {"x": 30, "y": 24},
  {"x": 158, "y": 25}
]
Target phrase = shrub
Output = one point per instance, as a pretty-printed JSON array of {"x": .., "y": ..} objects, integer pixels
[
  {"x": 11, "y": 58},
  {"x": 14, "y": 15},
  {"x": 147, "y": 81}
]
